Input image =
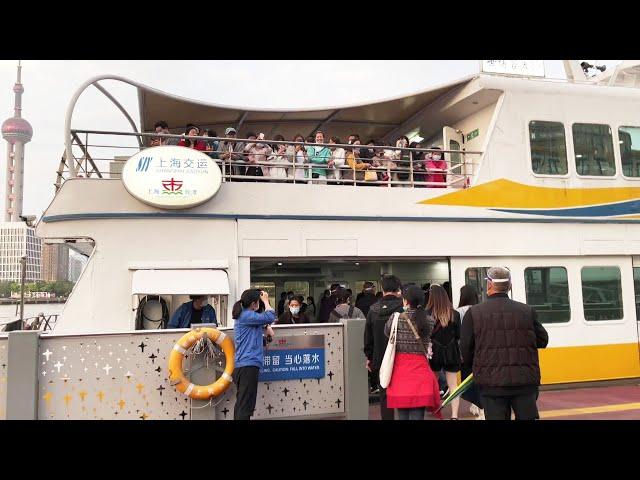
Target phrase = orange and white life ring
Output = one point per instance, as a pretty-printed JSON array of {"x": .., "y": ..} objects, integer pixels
[{"x": 176, "y": 375}]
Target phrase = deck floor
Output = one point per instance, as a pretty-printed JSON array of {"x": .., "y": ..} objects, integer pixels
[{"x": 589, "y": 403}]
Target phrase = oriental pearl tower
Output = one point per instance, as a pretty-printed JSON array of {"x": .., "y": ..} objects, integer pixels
[{"x": 17, "y": 132}]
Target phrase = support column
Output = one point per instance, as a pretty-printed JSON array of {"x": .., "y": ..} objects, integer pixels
[
  {"x": 356, "y": 388},
  {"x": 9, "y": 179},
  {"x": 22, "y": 375},
  {"x": 18, "y": 177}
]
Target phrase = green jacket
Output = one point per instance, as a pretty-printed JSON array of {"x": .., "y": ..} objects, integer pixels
[{"x": 319, "y": 156}]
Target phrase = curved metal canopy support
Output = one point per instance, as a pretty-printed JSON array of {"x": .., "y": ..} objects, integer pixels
[
  {"x": 72, "y": 104},
  {"x": 121, "y": 108}
]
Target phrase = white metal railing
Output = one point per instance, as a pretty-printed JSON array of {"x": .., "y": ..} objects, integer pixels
[{"x": 391, "y": 166}]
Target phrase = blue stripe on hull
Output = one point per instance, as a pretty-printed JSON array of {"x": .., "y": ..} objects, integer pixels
[{"x": 623, "y": 208}]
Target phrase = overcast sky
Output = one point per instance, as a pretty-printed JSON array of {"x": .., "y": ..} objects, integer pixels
[{"x": 49, "y": 86}]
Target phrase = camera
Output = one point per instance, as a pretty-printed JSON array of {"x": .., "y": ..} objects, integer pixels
[{"x": 266, "y": 339}]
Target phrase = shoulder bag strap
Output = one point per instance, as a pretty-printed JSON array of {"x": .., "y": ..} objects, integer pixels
[
  {"x": 418, "y": 339},
  {"x": 350, "y": 314}
]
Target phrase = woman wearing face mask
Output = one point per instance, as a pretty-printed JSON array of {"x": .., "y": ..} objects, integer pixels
[
  {"x": 414, "y": 387},
  {"x": 436, "y": 168},
  {"x": 294, "y": 313},
  {"x": 248, "y": 330}
]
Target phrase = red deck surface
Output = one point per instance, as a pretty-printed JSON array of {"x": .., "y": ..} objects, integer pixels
[{"x": 613, "y": 402}]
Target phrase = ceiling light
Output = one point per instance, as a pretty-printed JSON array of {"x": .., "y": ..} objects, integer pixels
[{"x": 279, "y": 264}]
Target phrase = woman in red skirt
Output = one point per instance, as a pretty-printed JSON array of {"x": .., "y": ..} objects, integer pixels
[{"x": 414, "y": 387}]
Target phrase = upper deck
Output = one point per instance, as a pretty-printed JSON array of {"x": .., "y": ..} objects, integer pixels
[{"x": 514, "y": 149}]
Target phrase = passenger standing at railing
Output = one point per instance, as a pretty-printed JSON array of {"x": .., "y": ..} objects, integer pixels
[
  {"x": 382, "y": 160},
  {"x": 212, "y": 145},
  {"x": 297, "y": 154},
  {"x": 231, "y": 151},
  {"x": 256, "y": 155},
  {"x": 403, "y": 161},
  {"x": 418, "y": 165},
  {"x": 436, "y": 168},
  {"x": 278, "y": 157},
  {"x": 163, "y": 128},
  {"x": 337, "y": 160},
  {"x": 192, "y": 131},
  {"x": 319, "y": 158},
  {"x": 356, "y": 165}
]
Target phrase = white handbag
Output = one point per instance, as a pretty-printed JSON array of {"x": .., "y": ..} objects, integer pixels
[{"x": 386, "y": 368}]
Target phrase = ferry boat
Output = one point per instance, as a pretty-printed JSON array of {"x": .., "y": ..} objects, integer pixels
[{"x": 542, "y": 178}]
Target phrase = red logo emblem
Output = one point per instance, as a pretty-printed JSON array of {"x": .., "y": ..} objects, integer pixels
[{"x": 172, "y": 185}]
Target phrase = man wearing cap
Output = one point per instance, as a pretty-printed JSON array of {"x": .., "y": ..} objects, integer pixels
[
  {"x": 232, "y": 151},
  {"x": 499, "y": 340}
]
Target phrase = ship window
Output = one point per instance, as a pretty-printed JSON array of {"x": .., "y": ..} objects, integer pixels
[
  {"x": 636, "y": 286},
  {"x": 547, "y": 290},
  {"x": 299, "y": 288},
  {"x": 548, "y": 148},
  {"x": 269, "y": 287},
  {"x": 593, "y": 145},
  {"x": 629, "y": 139},
  {"x": 601, "y": 293}
]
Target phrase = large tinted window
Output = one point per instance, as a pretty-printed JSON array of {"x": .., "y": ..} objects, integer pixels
[
  {"x": 601, "y": 293},
  {"x": 548, "y": 148},
  {"x": 299, "y": 288},
  {"x": 636, "y": 287},
  {"x": 547, "y": 290},
  {"x": 593, "y": 146},
  {"x": 630, "y": 150}
]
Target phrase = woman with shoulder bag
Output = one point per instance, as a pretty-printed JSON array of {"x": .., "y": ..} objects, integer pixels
[
  {"x": 413, "y": 386},
  {"x": 445, "y": 339}
]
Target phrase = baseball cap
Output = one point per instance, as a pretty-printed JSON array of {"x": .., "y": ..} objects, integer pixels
[
  {"x": 230, "y": 130},
  {"x": 498, "y": 275}
]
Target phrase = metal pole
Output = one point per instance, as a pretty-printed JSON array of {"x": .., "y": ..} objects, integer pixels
[{"x": 23, "y": 264}]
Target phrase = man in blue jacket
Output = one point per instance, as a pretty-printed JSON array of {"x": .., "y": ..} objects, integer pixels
[{"x": 197, "y": 310}]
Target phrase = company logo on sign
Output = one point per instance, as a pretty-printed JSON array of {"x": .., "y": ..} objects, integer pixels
[
  {"x": 143, "y": 164},
  {"x": 171, "y": 177},
  {"x": 172, "y": 187}
]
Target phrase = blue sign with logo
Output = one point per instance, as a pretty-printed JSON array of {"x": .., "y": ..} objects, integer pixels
[{"x": 292, "y": 358}]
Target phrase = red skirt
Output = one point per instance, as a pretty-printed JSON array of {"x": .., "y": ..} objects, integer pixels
[{"x": 413, "y": 383}]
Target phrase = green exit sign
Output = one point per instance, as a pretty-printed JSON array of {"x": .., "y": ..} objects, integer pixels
[{"x": 472, "y": 135}]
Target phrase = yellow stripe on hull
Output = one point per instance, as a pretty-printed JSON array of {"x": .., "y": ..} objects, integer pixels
[
  {"x": 589, "y": 363},
  {"x": 507, "y": 194}
]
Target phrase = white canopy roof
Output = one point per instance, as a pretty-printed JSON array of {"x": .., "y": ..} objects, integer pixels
[
  {"x": 180, "y": 282},
  {"x": 370, "y": 120}
]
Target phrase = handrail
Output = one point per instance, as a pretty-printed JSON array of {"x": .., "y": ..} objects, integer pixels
[
  {"x": 394, "y": 165},
  {"x": 275, "y": 142}
]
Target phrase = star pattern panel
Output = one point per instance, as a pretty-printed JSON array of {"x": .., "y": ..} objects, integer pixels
[
  {"x": 124, "y": 376},
  {"x": 109, "y": 377},
  {"x": 4, "y": 352},
  {"x": 292, "y": 398}
]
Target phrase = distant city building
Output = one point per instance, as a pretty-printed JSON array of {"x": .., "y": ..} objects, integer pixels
[
  {"x": 55, "y": 262},
  {"x": 16, "y": 240},
  {"x": 76, "y": 264}
]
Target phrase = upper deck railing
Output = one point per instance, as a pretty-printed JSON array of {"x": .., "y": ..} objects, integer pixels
[{"x": 267, "y": 161}]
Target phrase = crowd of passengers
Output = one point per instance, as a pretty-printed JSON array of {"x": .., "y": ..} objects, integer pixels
[{"x": 365, "y": 164}]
